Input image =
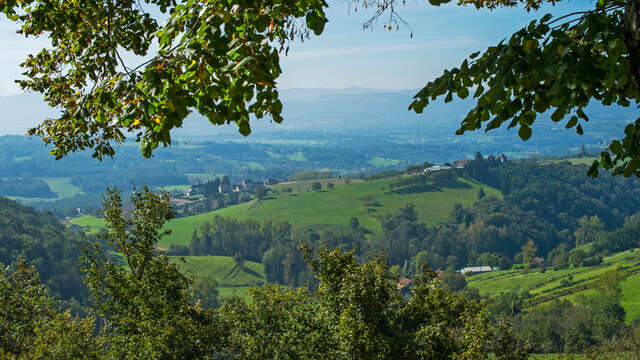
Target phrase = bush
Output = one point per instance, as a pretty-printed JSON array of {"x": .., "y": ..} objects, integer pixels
[{"x": 178, "y": 250}]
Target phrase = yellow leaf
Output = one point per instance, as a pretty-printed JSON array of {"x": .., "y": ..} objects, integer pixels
[
  {"x": 531, "y": 44},
  {"x": 264, "y": 83}
]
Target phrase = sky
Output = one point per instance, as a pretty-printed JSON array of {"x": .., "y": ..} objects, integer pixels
[{"x": 345, "y": 55}]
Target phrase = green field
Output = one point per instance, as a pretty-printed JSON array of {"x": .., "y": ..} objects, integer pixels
[
  {"x": 577, "y": 160},
  {"x": 304, "y": 186},
  {"x": 227, "y": 292},
  {"x": 223, "y": 269},
  {"x": 89, "y": 223},
  {"x": 61, "y": 186},
  {"x": 297, "y": 156},
  {"x": 173, "y": 188},
  {"x": 331, "y": 207},
  {"x": 231, "y": 280},
  {"x": 334, "y": 207},
  {"x": 547, "y": 286},
  {"x": 379, "y": 162}
]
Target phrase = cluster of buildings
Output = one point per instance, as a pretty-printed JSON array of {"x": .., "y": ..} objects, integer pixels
[
  {"x": 462, "y": 163},
  {"x": 246, "y": 186},
  {"x": 456, "y": 165}
]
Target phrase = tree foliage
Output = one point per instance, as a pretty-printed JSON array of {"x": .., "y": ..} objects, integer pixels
[
  {"x": 220, "y": 58},
  {"x": 40, "y": 239},
  {"x": 555, "y": 65},
  {"x": 145, "y": 309},
  {"x": 145, "y": 306},
  {"x": 31, "y": 327}
]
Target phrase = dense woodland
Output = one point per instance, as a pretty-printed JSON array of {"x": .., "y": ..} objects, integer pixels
[
  {"x": 548, "y": 210},
  {"x": 547, "y": 204},
  {"x": 55, "y": 251}
]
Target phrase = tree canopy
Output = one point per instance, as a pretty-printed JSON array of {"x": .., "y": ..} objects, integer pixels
[
  {"x": 222, "y": 59},
  {"x": 555, "y": 65}
]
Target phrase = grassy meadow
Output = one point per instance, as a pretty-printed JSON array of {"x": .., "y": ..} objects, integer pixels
[
  {"x": 61, "y": 186},
  {"x": 223, "y": 269},
  {"x": 547, "y": 286},
  {"x": 231, "y": 280},
  {"x": 328, "y": 208},
  {"x": 89, "y": 223},
  {"x": 587, "y": 160}
]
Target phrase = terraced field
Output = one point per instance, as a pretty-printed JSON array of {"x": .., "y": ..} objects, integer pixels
[{"x": 565, "y": 284}]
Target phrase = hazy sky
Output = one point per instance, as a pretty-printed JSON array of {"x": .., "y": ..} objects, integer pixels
[{"x": 345, "y": 55}]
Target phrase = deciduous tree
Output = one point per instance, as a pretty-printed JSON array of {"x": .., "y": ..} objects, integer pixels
[{"x": 222, "y": 59}]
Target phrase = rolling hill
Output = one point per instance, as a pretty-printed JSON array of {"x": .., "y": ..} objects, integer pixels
[
  {"x": 566, "y": 283},
  {"x": 330, "y": 207},
  {"x": 231, "y": 279}
]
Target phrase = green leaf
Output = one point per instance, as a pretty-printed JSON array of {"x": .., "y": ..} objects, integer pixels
[
  {"x": 572, "y": 122},
  {"x": 315, "y": 22},
  {"x": 524, "y": 133},
  {"x": 479, "y": 91},
  {"x": 593, "y": 170},
  {"x": 448, "y": 98},
  {"x": 463, "y": 92},
  {"x": 616, "y": 147}
]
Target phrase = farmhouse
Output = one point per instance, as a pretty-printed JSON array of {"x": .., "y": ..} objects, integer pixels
[
  {"x": 271, "y": 182},
  {"x": 195, "y": 189},
  {"x": 461, "y": 163},
  {"x": 224, "y": 188},
  {"x": 436, "y": 168},
  {"x": 476, "y": 270},
  {"x": 246, "y": 186}
]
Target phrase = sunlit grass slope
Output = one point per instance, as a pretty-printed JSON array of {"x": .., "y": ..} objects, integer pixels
[
  {"x": 231, "y": 279},
  {"x": 334, "y": 207},
  {"x": 565, "y": 284},
  {"x": 90, "y": 224},
  {"x": 328, "y": 208}
]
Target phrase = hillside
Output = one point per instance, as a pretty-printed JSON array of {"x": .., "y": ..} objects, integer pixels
[
  {"x": 43, "y": 242},
  {"x": 565, "y": 284},
  {"x": 328, "y": 208},
  {"x": 231, "y": 280}
]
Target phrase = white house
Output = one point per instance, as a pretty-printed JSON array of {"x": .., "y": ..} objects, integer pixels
[{"x": 476, "y": 270}]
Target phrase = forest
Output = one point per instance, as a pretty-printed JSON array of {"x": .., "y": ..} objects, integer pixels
[{"x": 534, "y": 256}]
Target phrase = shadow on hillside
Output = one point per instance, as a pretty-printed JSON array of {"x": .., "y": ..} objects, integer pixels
[
  {"x": 456, "y": 185},
  {"x": 424, "y": 188},
  {"x": 237, "y": 269}
]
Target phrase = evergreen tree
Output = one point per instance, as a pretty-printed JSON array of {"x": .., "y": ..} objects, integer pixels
[{"x": 195, "y": 246}]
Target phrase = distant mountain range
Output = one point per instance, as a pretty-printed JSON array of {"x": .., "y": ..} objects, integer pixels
[
  {"x": 310, "y": 109},
  {"x": 351, "y": 111}
]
